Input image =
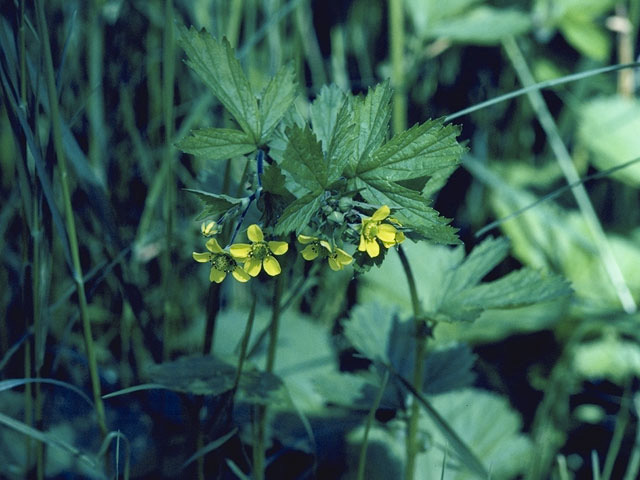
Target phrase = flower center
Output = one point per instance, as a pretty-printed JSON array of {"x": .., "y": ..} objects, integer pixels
[
  {"x": 259, "y": 250},
  {"x": 224, "y": 263},
  {"x": 370, "y": 230}
]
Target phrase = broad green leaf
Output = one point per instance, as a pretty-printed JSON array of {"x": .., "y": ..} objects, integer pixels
[
  {"x": 273, "y": 181},
  {"x": 298, "y": 214},
  {"x": 371, "y": 116},
  {"x": 413, "y": 209},
  {"x": 208, "y": 375},
  {"x": 487, "y": 424},
  {"x": 369, "y": 329},
  {"x": 276, "y": 100},
  {"x": 426, "y": 13},
  {"x": 464, "y": 298},
  {"x": 482, "y": 26},
  {"x": 324, "y": 113},
  {"x": 610, "y": 357},
  {"x": 215, "y": 204},
  {"x": 217, "y": 143},
  {"x": 220, "y": 70},
  {"x": 620, "y": 118},
  {"x": 417, "y": 152},
  {"x": 303, "y": 159},
  {"x": 340, "y": 151},
  {"x": 586, "y": 36}
]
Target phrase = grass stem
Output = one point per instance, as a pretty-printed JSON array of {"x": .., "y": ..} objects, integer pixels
[{"x": 396, "y": 44}]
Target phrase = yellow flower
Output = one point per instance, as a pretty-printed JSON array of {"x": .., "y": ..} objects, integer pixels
[
  {"x": 373, "y": 229},
  {"x": 316, "y": 247},
  {"x": 339, "y": 259},
  {"x": 209, "y": 229},
  {"x": 221, "y": 263},
  {"x": 260, "y": 253}
]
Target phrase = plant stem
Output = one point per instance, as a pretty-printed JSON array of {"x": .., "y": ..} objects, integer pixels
[
  {"x": 362, "y": 460},
  {"x": 418, "y": 368},
  {"x": 396, "y": 43},
  {"x": 168, "y": 76},
  {"x": 261, "y": 410},
  {"x": 70, "y": 221}
]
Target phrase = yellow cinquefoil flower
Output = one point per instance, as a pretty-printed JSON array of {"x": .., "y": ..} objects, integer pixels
[
  {"x": 209, "y": 229},
  {"x": 260, "y": 253},
  {"x": 373, "y": 229},
  {"x": 316, "y": 247},
  {"x": 221, "y": 263}
]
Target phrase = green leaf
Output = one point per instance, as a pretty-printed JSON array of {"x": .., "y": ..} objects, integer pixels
[
  {"x": 303, "y": 159},
  {"x": 278, "y": 96},
  {"x": 586, "y": 36},
  {"x": 486, "y": 424},
  {"x": 324, "y": 113},
  {"x": 273, "y": 181},
  {"x": 413, "y": 209},
  {"x": 220, "y": 70},
  {"x": 215, "y": 204},
  {"x": 217, "y": 143},
  {"x": 369, "y": 329},
  {"x": 208, "y": 375},
  {"x": 340, "y": 151},
  {"x": 417, "y": 152},
  {"x": 464, "y": 298},
  {"x": 482, "y": 26},
  {"x": 371, "y": 115},
  {"x": 298, "y": 214},
  {"x": 620, "y": 118}
]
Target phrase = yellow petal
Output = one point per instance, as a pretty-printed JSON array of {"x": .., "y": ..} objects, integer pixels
[
  {"x": 334, "y": 264},
  {"x": 253, "y": 267},
  {"x": 201, "y": 257},
  {"x": 310, "y": 252},
  {"x": 213, "y": 246},
  {"x": 240, "y": 275},
  {"x": 380, "y": 214},
  {"x": 216, "y": 275},
  {"x": 343, "y": 257},
  {"x": 400, "y": 237},
  {"x": 305, "y": 239},
  {"x": 271, "y": 266},
  {"x": 373, "y": 249},
  {"x": 363, "y": 244},
  {"x": 387, "y": 233},
  {"x": 240, "y": 250},
  {"x": 255, "y": 233},
  {"x": 278, "y": 248},
  {"x": 326, "y": 245}
]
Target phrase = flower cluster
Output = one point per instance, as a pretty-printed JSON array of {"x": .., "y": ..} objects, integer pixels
[
  {"x": 373, "y": 232},
  {"x": 253, "y": 256}
]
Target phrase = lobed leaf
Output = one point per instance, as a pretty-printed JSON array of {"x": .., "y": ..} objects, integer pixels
[
  {"x": 298, "y": 214},
  {"x": 371, "y": 116},
  {"x": 214, "y": 62},
  {"x": 215, "y": 204},
  {"x": 217, "y": 143},
  {"x": 303, "y": 159},
  {"x": 324, "y": 113}
]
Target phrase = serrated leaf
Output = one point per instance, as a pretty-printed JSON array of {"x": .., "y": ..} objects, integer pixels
[
  {"x": 324, "y": 113},
  {"x": 417, "y": 152},
  {"x": 304, "y": 160},
  {"x": 413, "y": 209},
  {"x": 369, "y": 329},
  {"x": 464, "y": 298},
  {"x": 371, "y": 116},
  {"x": 215, "y": 204},
  {"x": 217, "y": 143},
  {"x": 340, "y": 151},
  {"x": 273, "y": 181},
  {"x": 214, "y": 62},
  {"x": 298, "y": 214},
  {"x": 276, "y": 100}
]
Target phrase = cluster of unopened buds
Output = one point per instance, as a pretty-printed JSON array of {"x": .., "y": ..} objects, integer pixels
[{"x": 246, "y": 260}]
